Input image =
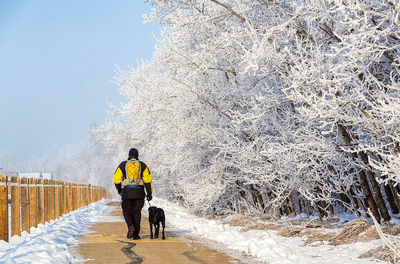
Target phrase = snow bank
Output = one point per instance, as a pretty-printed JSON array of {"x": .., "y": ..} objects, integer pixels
[
  {"x": 51, "y": 242},
  {"x": 264, "y": 245}
]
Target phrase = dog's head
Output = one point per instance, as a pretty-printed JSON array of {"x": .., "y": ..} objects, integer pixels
[{"x": 152, "y": 208}]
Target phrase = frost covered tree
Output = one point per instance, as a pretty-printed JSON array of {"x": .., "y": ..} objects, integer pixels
[{"x": 269, "y": 106}]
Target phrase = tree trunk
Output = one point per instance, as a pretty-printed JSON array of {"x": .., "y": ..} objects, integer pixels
[
  {"x": 391, "y": 199},
  {"x": 345, "y": 199},
  {"x": 256, "y": 197},
  {"x": 368, "y": 196},
  {"x": 291, "y": 204},
  {"x": 363, "y": 177},
  {"x": 331, "y": 210},
  {"x": 320, "y": 212},
  {"x": 395, "y": 195},
  {"x": 377, "y": 190},
  {"x": 354, "y": 202},
  {"x": 300, "y": 205}
]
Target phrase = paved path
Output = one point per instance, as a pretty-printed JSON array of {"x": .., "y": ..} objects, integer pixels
[{"x": 107, "y": 243}]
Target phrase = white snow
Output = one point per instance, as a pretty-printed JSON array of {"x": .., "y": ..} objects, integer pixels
[
  {"x": 52, "y": 242},
  {"x": 264, "y": 245}
]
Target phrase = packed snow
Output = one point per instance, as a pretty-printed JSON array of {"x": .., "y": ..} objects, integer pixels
[{"x": 53, "y": 242}]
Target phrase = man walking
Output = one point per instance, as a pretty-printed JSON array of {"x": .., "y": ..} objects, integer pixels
[{"x": 131, "y": 178}]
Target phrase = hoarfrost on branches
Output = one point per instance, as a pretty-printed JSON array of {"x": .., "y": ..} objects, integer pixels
[{"x": 248, "y": 105}]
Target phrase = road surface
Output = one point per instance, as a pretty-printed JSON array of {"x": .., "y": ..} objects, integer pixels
[{"x": 106, "y": 243}]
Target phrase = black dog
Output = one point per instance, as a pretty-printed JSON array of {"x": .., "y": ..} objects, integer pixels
[{"x": 156, "y": 215}]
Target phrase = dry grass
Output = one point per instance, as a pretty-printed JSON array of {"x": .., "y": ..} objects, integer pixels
[
  {"x": 355, "y": 231},
  {"x": 260, "y": 226},
  {"x": 350, "y": 233},
  {"x": 359, "y": 230},
  {"x": 314, "y": 223},
  {"x": 300, "y": 228},
  {"x": 382, "y": 253},
  {"x": 238, "y": 221},
  {"x": 266, "y": 217},
  {"x": 247, "y": 222},
  {"x": 290, "y": 231},
  {"x": 391, "y": 230}
]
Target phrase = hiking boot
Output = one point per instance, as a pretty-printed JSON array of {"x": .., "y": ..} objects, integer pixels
[
  {"x": 130, "y": 233},
  {"x": 136, "y": 237}
]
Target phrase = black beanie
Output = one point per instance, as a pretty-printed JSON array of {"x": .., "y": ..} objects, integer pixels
[{"x": 133, "y": 153}]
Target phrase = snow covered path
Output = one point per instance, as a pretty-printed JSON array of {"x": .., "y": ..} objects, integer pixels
[
  {"x": 106, "y": 243},
  {"x": 52, "y": 242}
]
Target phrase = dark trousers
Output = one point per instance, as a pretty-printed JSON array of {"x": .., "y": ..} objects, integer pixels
[{"x": 131, "y": 209}]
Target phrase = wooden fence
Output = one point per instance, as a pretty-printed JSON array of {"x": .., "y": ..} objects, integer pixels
[{"x": 37, "y": 201}]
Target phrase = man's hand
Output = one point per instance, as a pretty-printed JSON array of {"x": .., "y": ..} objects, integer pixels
[
  {"x": 149, "y": 197},
  {"x": 119, "y": 188}
]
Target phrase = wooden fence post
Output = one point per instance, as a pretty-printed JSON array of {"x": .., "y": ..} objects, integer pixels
[
  {"x": 79, "y": 195},
  {"x": 4, "y": 208},
  {"x": 32, "y": 203},
  {"x": 41, "y": 203},
  {"x": 46, "y": 201},
  {"x": 15, "y": 206},
  {"x": 24, "y": 205},
  {"x": 82, "y": 195},
  {"x": 51, "y": 199},
  {"x": 74, "y": 197},
  {"x": 86, "y": 195},
  {"x": 90, "y": 194},
  {"x": 83, "y": 187},
  {"x": 56, "y": 200},
  {"x": 60, "y": 198},
  {"x": 66, "y": 198},
  {"x": 70, "y": 202}
]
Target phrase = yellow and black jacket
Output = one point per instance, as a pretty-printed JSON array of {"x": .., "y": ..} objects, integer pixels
[{"x": 133, "y": 192}]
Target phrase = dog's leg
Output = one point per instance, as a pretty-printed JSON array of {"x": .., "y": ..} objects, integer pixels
[
  {"x": 151, "y": 230},
  {"x": 163, "y": 227},
  {"x": 157, "y": 228}
]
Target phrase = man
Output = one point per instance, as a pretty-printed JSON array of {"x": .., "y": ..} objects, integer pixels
[{"x": 131, "y": 178}]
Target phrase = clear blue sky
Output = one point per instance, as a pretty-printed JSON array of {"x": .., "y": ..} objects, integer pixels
[{"x": 57, "y": 60}]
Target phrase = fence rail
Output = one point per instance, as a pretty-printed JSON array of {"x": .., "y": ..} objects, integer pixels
[{"x": 37, "y": 201}]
